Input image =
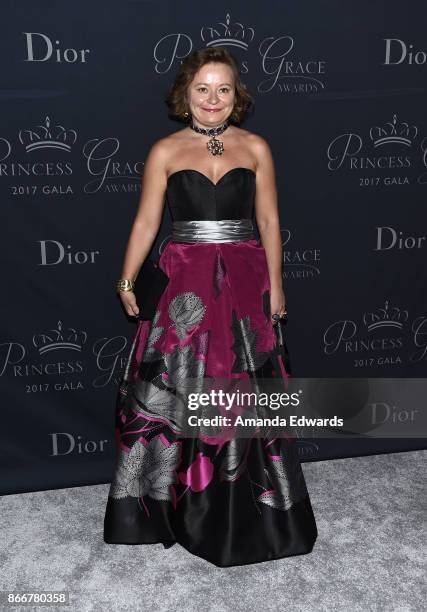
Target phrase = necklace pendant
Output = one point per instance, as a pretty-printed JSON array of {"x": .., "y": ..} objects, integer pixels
[{"x": 215, "y": 146}]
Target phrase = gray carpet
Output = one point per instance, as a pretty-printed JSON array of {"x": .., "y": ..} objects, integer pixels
[{"x": 370, "y": 553}]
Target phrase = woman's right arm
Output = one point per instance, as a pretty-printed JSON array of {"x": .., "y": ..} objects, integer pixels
[{"x": 147, "y": 219}]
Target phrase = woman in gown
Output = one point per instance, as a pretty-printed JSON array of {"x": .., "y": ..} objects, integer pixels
[{"x": 231, "y": 502}]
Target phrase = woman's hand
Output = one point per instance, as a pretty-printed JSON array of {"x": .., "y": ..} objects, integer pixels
[
  {"x": 129, "y": 302},
  {"x": 277, "y": 302}
]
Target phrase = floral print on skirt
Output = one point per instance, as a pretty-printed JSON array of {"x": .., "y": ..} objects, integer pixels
[{"x": 231, "y": 502}]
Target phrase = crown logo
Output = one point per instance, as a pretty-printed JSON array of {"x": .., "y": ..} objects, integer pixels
[
  {"x": 235, "y": 35},
  {"x": 393, "y": 132},
  {"x": 385, "y": 317},
  {"x": 47, "y": 137},
  {"x": 60, "y": 338}
]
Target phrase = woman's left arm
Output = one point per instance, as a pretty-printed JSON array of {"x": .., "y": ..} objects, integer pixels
[{"x": 268, "y": 221}]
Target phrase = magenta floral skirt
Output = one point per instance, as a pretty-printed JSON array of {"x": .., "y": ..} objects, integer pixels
[{"x": 231, "y": 502}]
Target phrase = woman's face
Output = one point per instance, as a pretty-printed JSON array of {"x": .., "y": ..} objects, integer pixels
[{"x": 211, "y": 94}]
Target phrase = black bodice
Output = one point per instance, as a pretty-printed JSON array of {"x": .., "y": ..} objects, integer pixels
[{"x": 191, "y": 195}]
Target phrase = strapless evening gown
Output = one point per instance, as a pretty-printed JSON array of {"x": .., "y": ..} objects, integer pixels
[{"x": 234, "y": 503}]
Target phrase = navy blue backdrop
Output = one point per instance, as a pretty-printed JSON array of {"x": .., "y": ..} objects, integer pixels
[{"x": 340, "y": 91}]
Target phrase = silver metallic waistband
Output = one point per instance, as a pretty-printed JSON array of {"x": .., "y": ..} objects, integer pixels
[{"x": 226, "y": 230}]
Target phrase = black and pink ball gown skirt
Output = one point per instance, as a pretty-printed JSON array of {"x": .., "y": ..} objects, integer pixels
[{"x": 232, "y": 502}]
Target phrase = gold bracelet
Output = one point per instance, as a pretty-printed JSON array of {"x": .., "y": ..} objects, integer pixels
[{"x": 125, "y": 284}]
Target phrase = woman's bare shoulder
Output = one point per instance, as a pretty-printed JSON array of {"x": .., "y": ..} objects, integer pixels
[
  {"x": 162, "y": 148},
  {"x": 253, "y": 140},
  {"x": 257, "y": 144},
  {"x": 256, "y": 140}
]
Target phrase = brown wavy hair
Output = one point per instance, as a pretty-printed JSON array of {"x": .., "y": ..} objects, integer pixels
[{"x": 175, "y": 99}]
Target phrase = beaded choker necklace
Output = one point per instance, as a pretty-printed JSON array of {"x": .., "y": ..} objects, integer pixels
[{"x": 215, "y": 146}]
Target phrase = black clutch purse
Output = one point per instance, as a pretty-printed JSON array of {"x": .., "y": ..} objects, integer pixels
[
  {"x": 148, "y": 288},
  {"x": 281, "y": 348}
]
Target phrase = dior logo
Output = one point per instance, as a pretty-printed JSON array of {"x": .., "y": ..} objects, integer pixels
[
  {"x": 306, "y": 448},
  {"x": 53, "y": 253},
  {"x": 64, "y": 444},
  {"x": 397, "y": 52},
  {"x": 381, "y": 412},
  {"x": 388, "y": 238},
  {"x": 40, "y": 48}
]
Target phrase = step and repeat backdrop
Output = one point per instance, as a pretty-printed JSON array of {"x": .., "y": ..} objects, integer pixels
[{"x": 340, "y": 94}]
